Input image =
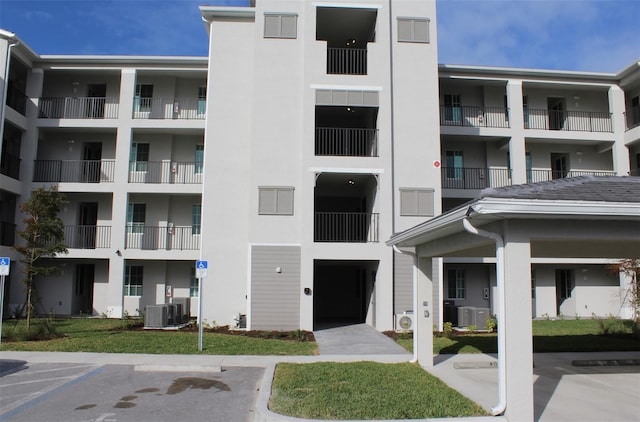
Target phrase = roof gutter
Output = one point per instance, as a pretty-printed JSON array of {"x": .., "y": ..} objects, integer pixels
[{"x": 502, "y": 373}]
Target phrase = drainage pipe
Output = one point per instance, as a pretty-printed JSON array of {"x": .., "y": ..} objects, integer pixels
[
  {"x": 502, "y": 373},
  {"x": 415, "y": 298}
]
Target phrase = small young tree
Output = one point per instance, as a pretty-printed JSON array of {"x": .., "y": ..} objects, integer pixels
[
  {"x": 43, "y": 236},
  {"x": 631, "y": 268}
]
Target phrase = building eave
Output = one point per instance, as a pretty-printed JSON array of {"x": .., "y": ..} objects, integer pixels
[{"x": 493, "y": 209}]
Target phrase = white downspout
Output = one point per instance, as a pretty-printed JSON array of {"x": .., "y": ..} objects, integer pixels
[
  {"x": 415, "y": 297},
  {"x": 502, "y": 373}
]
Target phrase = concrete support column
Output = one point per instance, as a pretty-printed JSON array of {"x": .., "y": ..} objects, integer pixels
[
  {"x": 424, "y": 315},
  {"x": 518, "y": 327},
  {"x": 619, "y": 152},
  {"x": 120, "y": 198},
  {"x": 517, "y": 152}
]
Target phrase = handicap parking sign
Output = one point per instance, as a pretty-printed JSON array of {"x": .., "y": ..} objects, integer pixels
[
  {"x": 201, "y": 269},
  {"x": 4, "y": 265}
]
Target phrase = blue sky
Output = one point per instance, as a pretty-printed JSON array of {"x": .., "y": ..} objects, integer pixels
[{"x": 587, "y": 35}]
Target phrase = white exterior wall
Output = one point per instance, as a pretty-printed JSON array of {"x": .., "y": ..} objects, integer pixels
[{"x": 226, "y": 205}]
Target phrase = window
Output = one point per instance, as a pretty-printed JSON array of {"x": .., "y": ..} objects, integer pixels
[
  {"x": 275, "y": 200},
  {"x": 413, "y": 30},
  {"x": 142, "y": 99},
  {"x": 455, "y": 283},
  {"x": 136, "y": 217},
  {"x": 454, "y": 166},
  {"x": 196, "y": 218},
  {"x": 133, "y": 280},
  {"x": 416, "y": 202},
  {"x": 193, "y": 284},
  {"x": 139, "y": 157},
  {"x": 527, "y": 157},
  {"x": 199, "y": 166},
  {"x": 280, "y": 25},
  {"x": 452, "y": 108},
  {"x": 202, "y": 99},
  {"x": 564, "y": 283}
]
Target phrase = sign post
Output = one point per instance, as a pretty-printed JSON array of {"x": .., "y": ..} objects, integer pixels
[
  {"x": 201, "y": 272},
  {"x": 5, "y": 262}
]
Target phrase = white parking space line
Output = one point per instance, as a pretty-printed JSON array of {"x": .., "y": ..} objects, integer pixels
[{"x": 12, "y": 408}]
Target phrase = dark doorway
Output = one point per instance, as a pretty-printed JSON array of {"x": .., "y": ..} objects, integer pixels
[
  {"x": 96, "y": 94},
  {"x": 87, "y": 225},
  {"x": 557, "y": 113},
  {"x": 83, "y": 289},
  {"x": 559, "y": 165},
  {"x": 342, "y": 292},
  {"x": 91, "y": 156}
]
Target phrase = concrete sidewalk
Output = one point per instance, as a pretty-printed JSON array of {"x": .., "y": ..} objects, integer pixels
[{"x": 562, "y": 392}]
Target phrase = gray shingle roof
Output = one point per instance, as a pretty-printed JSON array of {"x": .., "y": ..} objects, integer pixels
[{"x": 583, "y": 188}]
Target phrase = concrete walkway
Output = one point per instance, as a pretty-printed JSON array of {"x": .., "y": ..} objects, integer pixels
[{"x": 357, "y": 339}]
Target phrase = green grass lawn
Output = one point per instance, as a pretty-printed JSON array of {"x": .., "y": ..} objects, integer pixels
[
  {"x": 585, "y": 335},
  {"x": 110, "y": 335},
  {"x": 365, "y": 390}
]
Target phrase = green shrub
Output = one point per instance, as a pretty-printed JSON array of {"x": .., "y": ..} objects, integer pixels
[{"x": 491, "y": 324}]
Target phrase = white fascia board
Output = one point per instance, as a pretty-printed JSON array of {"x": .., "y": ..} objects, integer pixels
[
  {"x": 537, "y": 208},
  {"x": 430, "y": 226},
  {"x": 523, "y": 72},
  {"x": 347, "y": 5},
  {"x": 345, "y": 170},
  {"x": 209, "y": 12}
]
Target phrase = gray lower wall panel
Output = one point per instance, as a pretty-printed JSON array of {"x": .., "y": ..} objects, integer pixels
[
  {"x": 275, "y": 296},
  {"x": 403, "y": 283}
]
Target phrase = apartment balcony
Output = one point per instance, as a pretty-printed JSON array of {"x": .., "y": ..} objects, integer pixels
[
  {"x": 544, "y": 175},
  {"x": 16, "y": 99},
  {"x": 74, "y": 171},
  {"x": 474, "y": 116},
  {"x": 632, "y": 117},
  {"x": 346, "y": 61},
  {"x": 87, "y": 237},
  {"x": 165, "y": 172},
  {"x": 348, "y": 227},
  {"x": 162, "y": 237},
  {"x": 7, "y": 233},
  {"x": 474, "y": 178},
  {"x": 346, "y": 142},
  {"x": 581, "y": 121},
  {"x": 169, "y": 108},
  {"x": 10, "y": 165},
  {"x": 78, "y": 108}
]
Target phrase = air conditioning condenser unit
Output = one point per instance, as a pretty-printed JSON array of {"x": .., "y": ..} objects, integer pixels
[{"x": 404, "y": 321}]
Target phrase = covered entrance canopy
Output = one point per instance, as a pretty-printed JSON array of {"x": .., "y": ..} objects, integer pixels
[{"x": 583, "y": 217}]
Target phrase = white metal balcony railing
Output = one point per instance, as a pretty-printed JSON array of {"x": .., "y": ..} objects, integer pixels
[
  {"x": 169, "y": 108},
  {"x": 87, "y": 237},
  {"x": 165, "y": 172},
  {"x": 544, "y": 175},
  {"x": 474, "y": 116},
  {"x": 347, "y": 142},
  {"x": 346, "y": 61},
  {"x": 354, "y": 227},
  {"x": 584, "y": 121},
  {"x": 162, "y": 237},
  {"x": 474, "y": 178},
  {"x": 74, "y": 171},
  {"x": 78, "y": 108}
]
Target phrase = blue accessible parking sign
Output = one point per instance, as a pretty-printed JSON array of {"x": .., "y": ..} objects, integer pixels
[{"x": 201, "y": 269}]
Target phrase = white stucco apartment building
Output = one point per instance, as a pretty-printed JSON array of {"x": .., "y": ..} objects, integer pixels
[{"x": 310, "y": 135}]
